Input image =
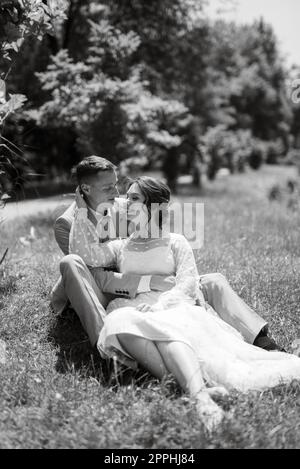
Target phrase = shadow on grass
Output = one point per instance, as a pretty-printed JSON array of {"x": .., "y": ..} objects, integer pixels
[
  {"x": 8, "y": 283},
  {"x": 75, "y": 353}
]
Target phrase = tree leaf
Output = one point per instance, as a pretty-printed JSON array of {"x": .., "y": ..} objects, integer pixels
[
  {"x": 2, "y": 91},
  {"x": 14, "y": 46},
  {"x": 16, "y": 101}
]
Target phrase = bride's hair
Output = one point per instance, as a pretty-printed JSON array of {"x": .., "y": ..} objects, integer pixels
[{"x": 155, "y": 192}]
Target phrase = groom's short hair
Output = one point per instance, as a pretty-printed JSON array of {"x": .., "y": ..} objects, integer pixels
[{"x": 90, "y": 166}]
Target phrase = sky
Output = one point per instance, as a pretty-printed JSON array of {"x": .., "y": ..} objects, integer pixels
[{"x": 283, "y": 15}]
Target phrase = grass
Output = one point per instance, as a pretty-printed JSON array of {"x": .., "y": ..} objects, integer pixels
[{"x": 55, "y": 392}]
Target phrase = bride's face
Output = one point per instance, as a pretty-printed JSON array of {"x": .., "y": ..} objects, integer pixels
[{"x": 136, "y": 203}]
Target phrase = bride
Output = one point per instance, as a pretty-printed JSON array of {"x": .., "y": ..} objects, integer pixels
[{"x": 167, "y": 332}]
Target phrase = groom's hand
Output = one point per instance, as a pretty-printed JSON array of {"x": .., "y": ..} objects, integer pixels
[
  {"x": 80, "y": 202},
  {"x": 162, "y": 283}
]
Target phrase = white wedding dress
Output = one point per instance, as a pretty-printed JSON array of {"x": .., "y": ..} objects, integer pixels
[{"x": 225, "y": 358}]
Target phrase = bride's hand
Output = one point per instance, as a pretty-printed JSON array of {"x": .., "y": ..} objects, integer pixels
[{"x": 144, "y": 308}]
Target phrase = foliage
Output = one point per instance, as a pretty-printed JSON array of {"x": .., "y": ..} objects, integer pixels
[
  {"x": 19, "y": 19},
  {"x": 22, "y": 18},
  {"x": 223, "y": 148},
  {"x": 106, "y": 92},
  {"x": 247, "y": 64},
  {"x": 112, "y": 71},
  {"x": 294, "y": 96},
  {"x": 258, "y": 154},
  {"x": 287, "y": 194}
]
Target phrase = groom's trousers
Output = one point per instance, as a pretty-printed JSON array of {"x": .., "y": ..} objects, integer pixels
[
  {"x": 80, "y": 285},
  {"x": 230, "y": 307}
]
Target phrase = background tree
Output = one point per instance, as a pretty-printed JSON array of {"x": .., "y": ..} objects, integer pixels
[
  {"x": 106, "y": 102},
  {"x": 19, "y": 19},
  {"x": 152, "y": 80}
]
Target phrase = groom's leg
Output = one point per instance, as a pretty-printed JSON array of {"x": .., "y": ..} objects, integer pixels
[
  {"x": 84, "y": 295},
  {"x": 231, "y": 308}
]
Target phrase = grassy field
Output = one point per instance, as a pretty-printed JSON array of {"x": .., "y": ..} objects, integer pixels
[{"x": 56, "y": 393}]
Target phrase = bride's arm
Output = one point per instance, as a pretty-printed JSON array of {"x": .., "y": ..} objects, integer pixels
[{"x": 187, "y": 277}]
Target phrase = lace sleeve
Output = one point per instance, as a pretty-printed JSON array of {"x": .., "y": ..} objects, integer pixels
[
  {"x": 84, "y": 241},
  {"x": 187, "y": 277}
]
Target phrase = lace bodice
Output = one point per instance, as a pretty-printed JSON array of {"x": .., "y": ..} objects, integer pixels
[{"x": 169, "y": 256}]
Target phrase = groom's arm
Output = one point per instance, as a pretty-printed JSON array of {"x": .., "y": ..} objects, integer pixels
[
  {"x": 62, "y": 235},
  {"x": 84, "y": 241},
  {"x": 113, "y": 282}
]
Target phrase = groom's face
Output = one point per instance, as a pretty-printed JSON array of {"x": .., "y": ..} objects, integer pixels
[{"x": 102, "y": 188}]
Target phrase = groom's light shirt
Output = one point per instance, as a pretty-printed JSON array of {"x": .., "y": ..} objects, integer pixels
[
  {"x": 105, "y": 226},
  {"x": 90, "y": 240}
]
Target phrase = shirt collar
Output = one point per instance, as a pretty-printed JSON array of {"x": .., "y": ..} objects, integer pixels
[{"x": 99, "y": 215}]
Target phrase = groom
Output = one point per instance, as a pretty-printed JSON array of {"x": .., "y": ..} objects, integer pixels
[{"x": 90, "y": 289}]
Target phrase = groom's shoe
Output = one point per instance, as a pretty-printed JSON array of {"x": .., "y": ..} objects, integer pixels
[
  {"x": 295, "y": 347},
  {"x": 266, "y": 343}
]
